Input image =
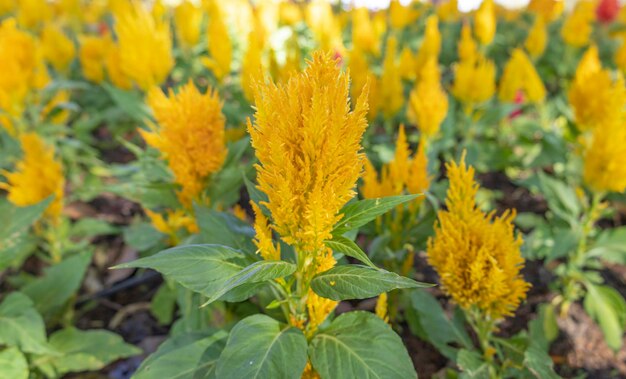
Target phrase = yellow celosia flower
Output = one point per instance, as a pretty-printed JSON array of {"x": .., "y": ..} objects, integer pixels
[
  {"x": 431, "y": 46},
  {"x": 604, "y": 157},
  {"x": 401, "y": 16},
  {"x": 474, "y": 80},
  {"x": 548, "y": 9},
  {"x": 324, "y": 25},
  {"x": 418, "y": 180},
  {"x": 578, "y": 26},
  {"x": 537, "y": 38},
  {"x": 391, "y": 92},
  {"x": 61, "y": 116},
  {"x": 520, "y": 75},
  {"x": 36, "y": 177},
  {"x": 477, "y": 255},
  {"x": 174, "y": 221},
  {"x": 219, "y": 45},
  {"x": 251, "y": 66},
  {"x": 187, "y": 18},
  {"x": 620, "y": 56},
  {"x": 190, "y": 136},
  {"x": 307, "y": 142},
  {"x": 381, "y": 307},
  {"x": 485, "y": 22},
  {"x": 594, "y": 95},
  {"x": 407, "y": 64},
  {"x": 92, "y": 55},
  {"x": 58, "y": 49},
  {"x": 290, "y": 13},
  {"x": 145, "y": 47},
  {"x": 292, "y": 60},
  {"x": 318, "y": 308},
  {"x": 114, "y": 69},
  {"x": 7, "y": 6},
  {"x": 448, "y": 11},
  {"x": 467, "y": 49},
  {"x": 263, "y": 239},
  {"x": 428, "y": 102},
  {"x": 33, "y": 13},
  {"x": 364, "y": 36}
]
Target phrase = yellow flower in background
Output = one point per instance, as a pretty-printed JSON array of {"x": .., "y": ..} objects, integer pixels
[
  {"x": 401, "y": 16},
  {"x": 187, "y": 19},
  {"x": 594, "y": 95},
  {"x": 549, "y": 10},
  {"x": 428, "y": 102},
  {"x": 92, "y": 54},
  {"x": 293, "y": 58},
  {"x": 418, "y": 179},
  {"x": 577, "y": 28},
  {"x": 448, "y": 11},
  {"x": 189, "y": 135},
  {"x": 173, "y": 222},
  {"x": 7, "y": 6},
  {"x": 467, "y": 49},
  {"x": 324, "y": 25},
  {"x": 431, "y": 45},
  {"x": 605, "y": 157},
  {"x": 364, "y": 36},
  {"x": 474, "y": 80},
  {"x": 620, "y": 56},
  {"x": 520, "y": 75},
  {"x": 251, "y": 66},
  {"x": 219, "y": 45},
  {"x": 290, "y": 13},
  {"x": 159, "y": 10},
  {"x": 391, "y": 91},
  {"x": 537, "y": 38},
  {"x": 31, "y": 14},
  {"x": 381, "y": 307},
  {"x": 308, "y": 144},
  {"x": 145, "y": 47},
  {"x": 485, "y": 22},
  {"x": 60, "y": 116},
  {"x": 58, "y": 49},
  {"x": 476, "y": 255},
  {"x": 407, "y": 64},
  {"x": 37, "y": 176},
  {"x": 114, "y": 69}
]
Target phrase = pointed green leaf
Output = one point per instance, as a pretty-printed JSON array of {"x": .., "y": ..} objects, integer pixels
[
  {"x": 341, "y": 244},
  {"x": 359, "y": 282},
  {"x": 13, "y": 364},
  {"x": 260, "y": 347},
  {"x": 359, "y": 213},
  {"x": 360, "y": 345},
  {"x": 21, "y": 325},
  {"x": 539, "y": 363},
  {"x": 606, "y": 306}
]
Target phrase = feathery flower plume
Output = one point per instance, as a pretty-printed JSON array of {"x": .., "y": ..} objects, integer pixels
[
  {"x": 428, "y": 102},
  {"x": 364, "y": 37},
  {"x": 391, "y": 92},
  {"x": 145, "y": 46},
  {"x": 251, "y": 65},
  {"x": 92, "y": 55},
  {"x": 189, "y": 135},
  {"x": 401, "y": 16},
  {"x": 548, "y": 9},
  {"x": 36, "y": 177},
  {"x": 485, "y": 22},
  {"x": 477, "y": 255},
  {"x": 187, "y": 19},
  {"x": 31, "y": 14},
  {"x": 474, "y": 80},
  {"x": 431, "y": 46},
  {"x": 537, "y": 38},
  {"x": 577, "y": 27},
  {"x": 58, "y": 49},
  {"x": 219, "y": 45},
  {"x": 406, "y": 66},
  {"x": 114, "y": 69},
  {"x": 448, "y": 11},
  {"x": 520, "y": 76},
  {"x": 605, "y": 157},
  {"x": 467, "y": 49}
]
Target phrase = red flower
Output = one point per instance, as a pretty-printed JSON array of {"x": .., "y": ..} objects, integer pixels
[{"x": 607, "y": 10}]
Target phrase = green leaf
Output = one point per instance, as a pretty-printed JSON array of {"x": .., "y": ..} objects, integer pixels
[
  {"x": 257, "y": 272},
  {"x": 183, "y": 356},
  {"x": 472, "y": 364},
  {"x": 360, "y": 345},
  {"x": 58, "y": 284},
  {"x": 610, "y": 246},
  {"x": 426, "y": 317},
  {"x": 142, "y": 236},
  {"x": 163, "y": 304},
  {"x": 83, "y": 350},
  {"x": 359, "y": 282},
  {"x": 341, "y": 244},
  {"x": 539, "y": 363},
  {"x": 129, "y": 101},
  {"x": 21, "y": 325},
  {"x": 260, "y": 347},
  {"x": 201, "y": 268},
  {"x": 359, "y": 213},
  {"x": 13, "y": 364},
  {"x": 257, "y": 196},
  {"x": 224, "y": 229},
  {"x": 606, "y": 306},
  {"x": 92, "y": 227}
]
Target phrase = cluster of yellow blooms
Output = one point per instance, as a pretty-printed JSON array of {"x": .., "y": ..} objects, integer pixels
[
  {"x": 477, "y": 255},
  {"x": 578, "y": 26},
  {"x": 520, "y": 76}
]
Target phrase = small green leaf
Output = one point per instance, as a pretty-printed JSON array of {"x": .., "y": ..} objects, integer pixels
[
  {"x": 129, "y": 101},
  {"x": 257, "y": 272},
  {"x": 359, "y": 282},
  {"x": 185, "y": 356},
  {"x": 341, "y": 244},
  {"x": 539, "y": 363},
  {"x": 606, "y": 306},
  {"x": 163, "y": 304},
  {"x": 472, "y": 364},
  {"x": 260, "y": 347},
  {"x": 256, "y": 195},
  {"x": 15, "y": 243},
  {"x": 360, "y": 345},
  {"x": 13, "y": 364},
  {"x": 21, "y": 325},
  {"x": 142, "y": 236},
  {"x": 359, "y": 213}
]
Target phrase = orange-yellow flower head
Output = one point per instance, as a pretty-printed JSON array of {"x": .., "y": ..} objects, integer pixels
[
  {"x": 400, "y": 16},
  {"x": 448, "y": 11},
  {"x": 251, "y": 66},
  {"x": 391, "y": 91},
  {"x": 114, "y": 69},
  {"x": 308, "y": 144},
  {"x": 594, "y": 94},
  {"x": 477, "y": 255},
  {"x": 189, "y": 135},
  {"x": 364, "y": 36},
  {"x": 219, "y": 45},
  {"x": 537, "y": 38},
  {"x": 145, "y": 46},
  {"x": 520, "y": 76},
  {"x": 37, "y": 176},
  {"x": 578, "y": 26},
  {"x": 467, "y": 49},
  {"x": 474, "y": 80},
  {"x": 188, "y": 18},
  {"x": 428, "y": 102},
  {"x": 58, "y": 49},
  {"x": 93, "y": 50},
  {"x": 605, "y": 157},
  {"x": 485, "y": 22},
  {"x": 548, "y": 9},
  {"x": 431, "y": 46}
]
